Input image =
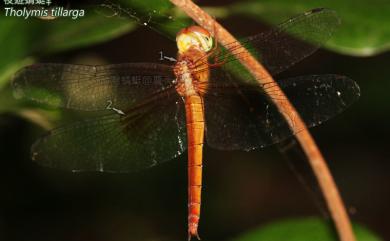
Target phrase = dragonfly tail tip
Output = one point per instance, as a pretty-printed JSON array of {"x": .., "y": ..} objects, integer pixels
[{"x": 190, "y": 235}]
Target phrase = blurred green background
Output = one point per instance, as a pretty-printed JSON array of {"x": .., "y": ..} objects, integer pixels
[{"x": 246, "y": 196}]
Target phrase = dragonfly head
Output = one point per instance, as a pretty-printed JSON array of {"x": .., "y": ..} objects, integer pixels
[{"x": 194, "y": 37}]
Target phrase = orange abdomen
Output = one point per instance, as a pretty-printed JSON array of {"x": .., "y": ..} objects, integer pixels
[{"x": 195, "y": 136}]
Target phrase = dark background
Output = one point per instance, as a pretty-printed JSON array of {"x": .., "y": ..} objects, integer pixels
[{"x": 241, "y": 190}]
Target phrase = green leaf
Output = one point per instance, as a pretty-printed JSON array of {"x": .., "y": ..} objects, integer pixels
[
  {"x": 302, "y": 229},
  {"x": 363, "y": 31},
  {"x": 9, "y": 68},
  {"x": 93, "y": 28},
  {"x": 27, "y": 109},
  {"x": 22, "y": 40},
  {"x": 14, "y": 44}
]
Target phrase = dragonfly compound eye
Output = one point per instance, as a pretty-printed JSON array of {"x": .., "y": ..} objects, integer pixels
[{"x": 194, "y": 37}]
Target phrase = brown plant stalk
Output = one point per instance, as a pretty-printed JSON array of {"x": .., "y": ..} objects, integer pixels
[{"x": 315, "y": 158}]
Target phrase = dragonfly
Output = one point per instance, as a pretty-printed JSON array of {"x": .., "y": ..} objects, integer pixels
[{"x": 154, "y": 112}]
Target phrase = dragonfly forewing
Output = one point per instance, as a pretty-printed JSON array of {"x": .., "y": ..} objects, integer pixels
[
  {"x": 92, "y": 88},
  {"x": 281, "y": 47}
]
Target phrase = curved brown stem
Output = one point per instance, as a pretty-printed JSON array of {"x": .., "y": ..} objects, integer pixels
[{"x": 317, "y": 161}]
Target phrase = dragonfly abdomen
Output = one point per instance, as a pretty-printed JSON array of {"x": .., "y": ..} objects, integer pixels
[{"x": 195, "y": 138}]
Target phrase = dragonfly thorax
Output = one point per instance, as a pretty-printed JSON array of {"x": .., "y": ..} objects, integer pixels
[
  {"x": 185, "y": 83},
  {"x": 192, "y": 72}
]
